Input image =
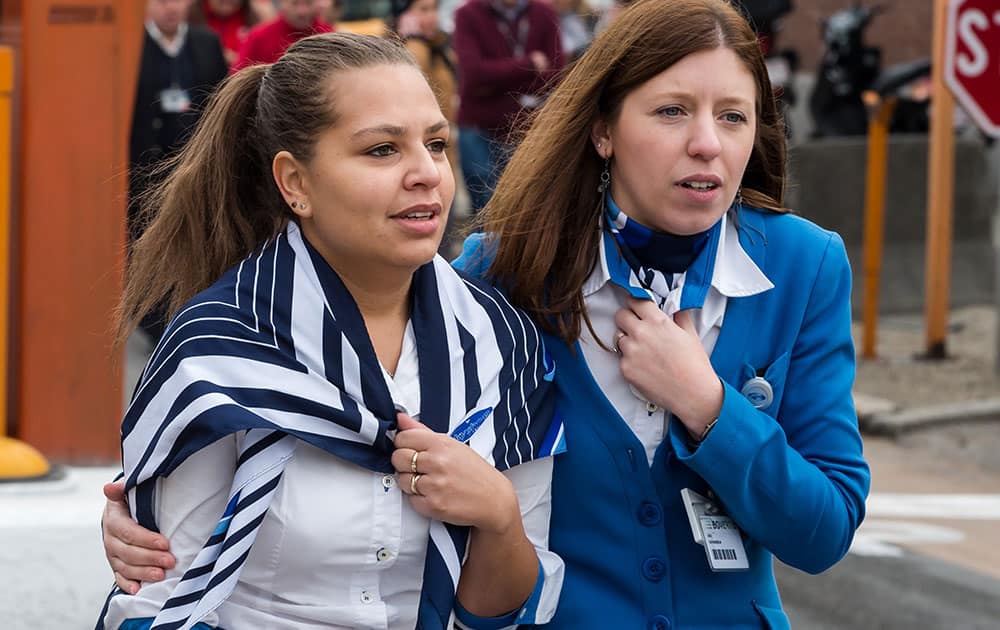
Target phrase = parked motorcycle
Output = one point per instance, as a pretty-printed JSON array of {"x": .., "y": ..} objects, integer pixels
[{"x": 849, "y": 67}]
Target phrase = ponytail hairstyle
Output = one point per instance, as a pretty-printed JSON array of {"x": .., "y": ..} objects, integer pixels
[
  {"x": 543, "y": 220},
  {"x": 217, "y": 201}
]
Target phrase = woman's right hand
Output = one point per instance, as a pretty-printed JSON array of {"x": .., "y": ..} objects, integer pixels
[{"x": 134, "y": 553}]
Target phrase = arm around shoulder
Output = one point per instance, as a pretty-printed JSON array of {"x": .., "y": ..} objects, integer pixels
[{"x": 188, "y": 505}]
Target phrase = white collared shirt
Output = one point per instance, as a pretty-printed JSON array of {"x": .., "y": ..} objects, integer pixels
[
  {"x": 170, "y": 47},
  {"x": 734, "y": 275},
  {"x": 341, "y": 546}
]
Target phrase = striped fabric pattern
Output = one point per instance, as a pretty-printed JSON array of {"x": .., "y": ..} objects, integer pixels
[{"x": 278, "y": 349}]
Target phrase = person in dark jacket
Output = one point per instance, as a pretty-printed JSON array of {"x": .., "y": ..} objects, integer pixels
[
  {"x": 507, "y": 50},
  {"x": 181, "y": 66}
]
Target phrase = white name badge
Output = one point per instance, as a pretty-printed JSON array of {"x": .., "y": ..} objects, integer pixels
[
  {"x": 715, "y": 531},
  {"x": 723, "y": 544},
  {"x": 174, "y": 100}
]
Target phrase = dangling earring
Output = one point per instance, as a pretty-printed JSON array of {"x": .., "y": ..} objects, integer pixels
[
  {"x": 739, "y": 199},
  {"x": 605, "y": 176}
]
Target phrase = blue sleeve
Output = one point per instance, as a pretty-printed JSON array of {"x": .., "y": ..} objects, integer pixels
[
  {"x": 475, "y": 257},
  {"x": 797, "y": 486},
  {"x": 524, "y": 615}
]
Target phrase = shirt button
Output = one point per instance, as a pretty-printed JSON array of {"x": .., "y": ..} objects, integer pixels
[
  {"x": 388, "y": 481},
  {"x": 651, "y": 407},
  {"x": 650, "y": 513},
  {"x": 382, "y": 554},
  {"x": 658, "y": 622},
  {"x": 653, "y": 569},
  {"x": 367, "y": 597}
]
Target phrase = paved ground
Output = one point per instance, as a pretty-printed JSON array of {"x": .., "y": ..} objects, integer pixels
[
  {"x": 52, "y": 571},
  {"x": 899, "y": 375}
]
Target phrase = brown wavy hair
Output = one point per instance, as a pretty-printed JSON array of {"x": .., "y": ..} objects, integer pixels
[
  {"x": 543, "y": 221},
  {"x": 218, "y": 201}
]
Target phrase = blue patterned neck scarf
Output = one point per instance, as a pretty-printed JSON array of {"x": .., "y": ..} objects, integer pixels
[{"x": 654, "y": 257}]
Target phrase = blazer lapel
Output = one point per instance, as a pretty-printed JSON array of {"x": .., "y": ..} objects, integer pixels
[{"x": 729, "y": 355}]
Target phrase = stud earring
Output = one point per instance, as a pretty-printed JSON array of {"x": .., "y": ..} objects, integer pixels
[{"x": 295, "y": 204}]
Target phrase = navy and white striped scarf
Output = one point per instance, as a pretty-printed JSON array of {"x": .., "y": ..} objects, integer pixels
[{"x": 278, "y": 348}]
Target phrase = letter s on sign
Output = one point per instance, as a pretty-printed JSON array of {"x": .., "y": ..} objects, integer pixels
[{"x": 975, "y": 64}]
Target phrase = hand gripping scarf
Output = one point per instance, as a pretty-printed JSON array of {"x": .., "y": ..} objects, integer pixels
[{"x": 277, "y": 348}]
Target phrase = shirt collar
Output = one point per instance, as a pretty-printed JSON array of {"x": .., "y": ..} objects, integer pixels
[
  {"x": 173, "y": 47},
  {"x": 734, "y": 273}
]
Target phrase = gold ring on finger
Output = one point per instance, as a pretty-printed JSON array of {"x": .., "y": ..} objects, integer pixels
[
  {"x": 413, "y": 484},
  {"x": 413, "y": 462},
  {"x": 618, "y": 338}
]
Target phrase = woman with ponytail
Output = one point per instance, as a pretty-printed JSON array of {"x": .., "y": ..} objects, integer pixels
[{"x": 337, "y": 429}]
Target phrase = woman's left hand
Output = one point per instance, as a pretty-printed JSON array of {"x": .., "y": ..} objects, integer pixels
[
  {"x": 664, "y": 360},
  {"x": 454, "y": 484}
]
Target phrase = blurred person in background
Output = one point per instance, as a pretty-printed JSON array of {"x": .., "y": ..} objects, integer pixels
[
  {"x": 232, "y": 20},
  {"x": 329, "y": 10},
  {"x": 266, "y": 42},
  {"x": 181, "y": 66},
  {"x": 576, "y": 25},
  {"x": 507, "y": 50}
]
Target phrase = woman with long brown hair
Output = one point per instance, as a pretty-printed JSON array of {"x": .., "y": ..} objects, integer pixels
[
  {"x": 702, "y": 333},
  {"x": 336, "y": 430}
]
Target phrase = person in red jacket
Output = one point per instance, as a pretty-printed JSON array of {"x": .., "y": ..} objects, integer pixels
[
  {"x": 507, "y": 50},
  {"x": 231, "y": 20},
  {"x": 265, "y": 43}
]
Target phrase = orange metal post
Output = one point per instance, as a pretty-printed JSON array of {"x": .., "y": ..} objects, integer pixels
[
  {"x": 77, "y": 71},
  {"x": 880, "y": 112},
  {"x": 6, "y": 112},
  {"x": 940, "y": 189},
  {"x": 17, "y": 460}
]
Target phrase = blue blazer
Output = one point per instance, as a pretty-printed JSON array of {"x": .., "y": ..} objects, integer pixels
[{"x": 791, "y": 475}]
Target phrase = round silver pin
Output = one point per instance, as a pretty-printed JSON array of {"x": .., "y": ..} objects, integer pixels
[{"x": 758, "y": 391}]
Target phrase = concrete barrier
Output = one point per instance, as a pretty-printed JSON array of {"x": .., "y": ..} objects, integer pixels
[{"x": 827, "y": 186}]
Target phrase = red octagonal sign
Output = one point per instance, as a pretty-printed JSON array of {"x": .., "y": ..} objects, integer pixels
[{"x": 972, "y": 59}]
